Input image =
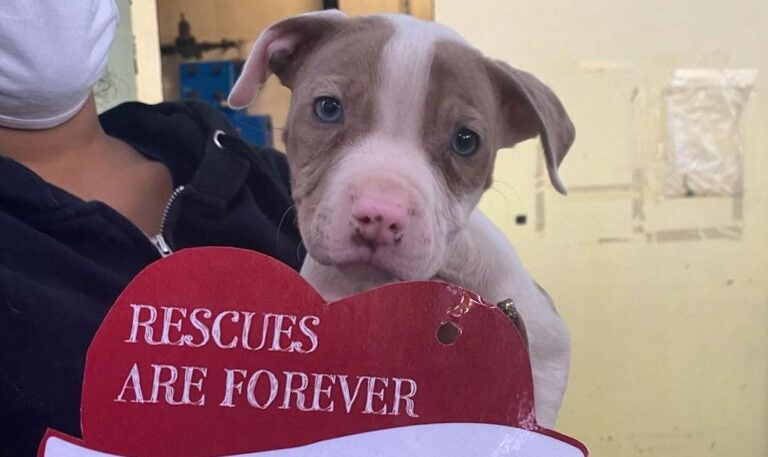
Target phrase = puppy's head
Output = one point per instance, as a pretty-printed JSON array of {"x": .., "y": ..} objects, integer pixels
[{"x": 392, "y": 133}]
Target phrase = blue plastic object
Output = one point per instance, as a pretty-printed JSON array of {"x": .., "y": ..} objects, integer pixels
[{"x": 211, "y": 82}]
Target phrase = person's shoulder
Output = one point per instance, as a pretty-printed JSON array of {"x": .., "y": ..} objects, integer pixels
[
  {"x": 181, "y": 112},
  {"x": 168, "y": 131},
  {"x": 187, "y": 126}
]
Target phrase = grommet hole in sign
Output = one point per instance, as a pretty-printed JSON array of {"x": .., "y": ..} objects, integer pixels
[{"x": 448, "y": 333}]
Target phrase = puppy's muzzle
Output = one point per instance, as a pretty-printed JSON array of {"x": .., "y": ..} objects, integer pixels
[{"x": 378, "y": 220}]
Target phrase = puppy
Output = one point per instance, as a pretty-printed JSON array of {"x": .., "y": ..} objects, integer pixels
[{"x": 391, "y": 138}]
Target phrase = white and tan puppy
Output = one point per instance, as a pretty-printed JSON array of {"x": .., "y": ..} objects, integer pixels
[{"x": 391, "y": 138}]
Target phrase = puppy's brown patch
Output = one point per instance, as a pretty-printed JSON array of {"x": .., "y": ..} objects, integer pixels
[
  {"x": 344, "y": 65},
  {"x": 460, "y": 95}
]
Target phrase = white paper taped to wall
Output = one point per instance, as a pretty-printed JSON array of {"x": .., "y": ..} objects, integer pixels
[{"x": 704, "y": 109}]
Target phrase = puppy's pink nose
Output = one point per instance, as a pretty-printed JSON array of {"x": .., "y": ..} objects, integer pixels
[{"x": 379, "y": 221}]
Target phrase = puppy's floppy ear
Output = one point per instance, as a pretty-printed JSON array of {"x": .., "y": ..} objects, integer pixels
[
  {"x": 530, "y": 109},
  {"x": 281, "y": 49}
]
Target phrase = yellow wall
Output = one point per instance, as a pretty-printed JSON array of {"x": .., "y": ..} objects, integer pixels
[
  {"x": 147, "y": 51},
  {"x": 666, "y": 299},
  {"x": 422, "y": 9},
  {"x": 119, "y": 82}
]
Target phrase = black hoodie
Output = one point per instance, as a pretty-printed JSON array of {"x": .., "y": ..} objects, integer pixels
[{"x": 63, "y": 261}]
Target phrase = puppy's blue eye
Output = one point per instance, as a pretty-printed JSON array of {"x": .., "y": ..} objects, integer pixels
[
  {"x": 465, "y": 142},
  {"x": 328, "y": 109}
]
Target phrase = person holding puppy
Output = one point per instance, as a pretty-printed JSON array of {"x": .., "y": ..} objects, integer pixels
[{"x": 87, "y": 201}]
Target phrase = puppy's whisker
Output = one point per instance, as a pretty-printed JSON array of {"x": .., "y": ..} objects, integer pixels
[
  {"x": 280, "y": 224},
  {"x": 511, "y": 187},
  {"x": 506, "y": 200}
]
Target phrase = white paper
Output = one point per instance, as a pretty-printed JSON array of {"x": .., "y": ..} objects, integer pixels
[{"x": 429, "y": 440}]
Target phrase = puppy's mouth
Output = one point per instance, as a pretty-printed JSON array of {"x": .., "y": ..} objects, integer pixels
[
  {"x": 364, "y": 259},
  {"x": 359, "y": 240},
  {"x": 369, "y": 272}
]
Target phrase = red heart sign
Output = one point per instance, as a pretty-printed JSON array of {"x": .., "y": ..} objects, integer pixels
[{"x": 220, "y": 351}]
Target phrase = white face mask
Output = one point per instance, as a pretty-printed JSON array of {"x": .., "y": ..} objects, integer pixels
[{"x": 52, "y": 52}]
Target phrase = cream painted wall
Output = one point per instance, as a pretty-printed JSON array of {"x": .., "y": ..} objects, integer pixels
[
  {"x": 149, "y": 87},
  {"x": 133, "y": 70},
  {"x": 669, "y": 317},
  {"x": 422, "y": 9},
  {"x": 119, "y": 82}
]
